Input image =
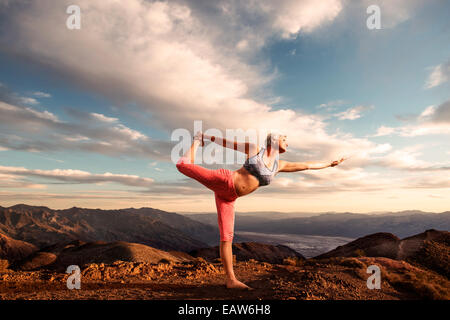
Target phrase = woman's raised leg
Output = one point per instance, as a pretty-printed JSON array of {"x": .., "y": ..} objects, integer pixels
[{"x": 215, "y": 180}]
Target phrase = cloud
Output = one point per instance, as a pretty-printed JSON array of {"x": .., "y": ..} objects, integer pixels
[
  {"x": 441, "y": 114},
  {"x": 384, "y": 131},
  {"x": 23, "y": 116},
  {"x": 41, "y": 94},
  {"x": 27, "y": 100},
  {"x": 27, "y": 129},
  {"x": 352, "y": 113},
  {"x": 292, "y": 17},
  {"x": 102, "y": 117},
  {"x": 11, "y": 97},
  {"x": 428, "y": 182},
  {"x": 406, "y": 159},
  {"x": 77, "y": 176},
  {"x": 11, "y": 181},
  {"x": 431, "y": 121},
  {"x": 162, "y": 57},
  {"x": 439, "y": 74},
  {"x": 331, "y": 105}
]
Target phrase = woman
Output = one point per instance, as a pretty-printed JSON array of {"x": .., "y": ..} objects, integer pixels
[{"x": 258, "y": 170}]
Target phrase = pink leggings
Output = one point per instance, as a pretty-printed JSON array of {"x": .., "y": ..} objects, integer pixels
[{"x": 221, "y": 182}]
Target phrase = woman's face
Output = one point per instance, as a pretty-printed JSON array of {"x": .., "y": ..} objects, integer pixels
[{"x": 283, "y": 144}]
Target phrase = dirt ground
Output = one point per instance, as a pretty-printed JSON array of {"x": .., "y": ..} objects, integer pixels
[{"x": 199, "y": 280}]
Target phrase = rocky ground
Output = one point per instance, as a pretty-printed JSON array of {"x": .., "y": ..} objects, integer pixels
[{"x": 336, "y": 278}]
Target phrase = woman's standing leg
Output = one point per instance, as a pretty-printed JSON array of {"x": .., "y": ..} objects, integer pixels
[{"x": 225, "y": 218}]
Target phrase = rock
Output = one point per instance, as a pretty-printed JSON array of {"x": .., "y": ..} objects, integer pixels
[{"x": 4, "y": 264}]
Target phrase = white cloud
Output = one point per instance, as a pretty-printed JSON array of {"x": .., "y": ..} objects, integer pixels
[
  {"x": 431, "y": 121},
  {"x": 29, "y": 101},
  {"x": 31, "y": 130},
  {"x": 75, "y": 138},
  {"x": 292, "y": 17},
  {"x": 427, "y": 113},
  {"x": 102, "y": 117},
  {"x": 384, "y": 131},
  {"x": 130, "y": 133},
  {"x": 406, "y": 158},
  {"x": 352, "y": 113},
  {"x": 41, "y": 94},
  {"x": 161, "y": 56},
  {"x": 15, "y": 115},
  {"x": 43, "y": 114},
  {"x": 439, "y": 74},
  {"x": 11, "y": 181},
  {"x": 78, "y": 176},
  {"x": 331, "y": 105}
]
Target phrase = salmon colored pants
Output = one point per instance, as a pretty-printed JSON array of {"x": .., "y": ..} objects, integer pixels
[{"x": 221, "y": 182}]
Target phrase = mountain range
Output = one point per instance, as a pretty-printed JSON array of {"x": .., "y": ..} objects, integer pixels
[
  {"x": 42, "y": 226},
  {"x": 152, "y": 254},
  {"x": 346, "y": 224}
]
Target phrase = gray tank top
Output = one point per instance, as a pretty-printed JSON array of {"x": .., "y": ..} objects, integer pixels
[{"x": 256, "y": 166}]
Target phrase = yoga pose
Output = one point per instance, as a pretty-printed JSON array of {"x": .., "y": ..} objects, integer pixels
[{"x": 258, "y": 170}]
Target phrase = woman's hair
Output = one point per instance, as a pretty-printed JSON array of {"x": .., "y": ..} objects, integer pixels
[{"x": 272, "y": 137}]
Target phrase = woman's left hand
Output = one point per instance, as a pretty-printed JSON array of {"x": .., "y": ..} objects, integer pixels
[{"x": 335, "y": 163}]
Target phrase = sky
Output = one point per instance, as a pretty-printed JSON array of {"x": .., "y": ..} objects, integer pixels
[{"x": 87, "y": 115}]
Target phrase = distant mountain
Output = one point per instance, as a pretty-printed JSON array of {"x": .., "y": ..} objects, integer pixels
[
  {"x": 201, "y": 231},
  {"x": 430, "y": 249},
  {"x": 249, "y": 217},
  {"x": 42, "y": 226},
  {"x": 251, "y": 250},
  {"x": 347, "y": 224},
  {"x": 61, "y": 255},
  {"x": 12, "y": 250}
]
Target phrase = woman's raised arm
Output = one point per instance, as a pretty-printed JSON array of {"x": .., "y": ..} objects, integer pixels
[
  {"x": 286, "y": 166},
  {"x": 245, "y": 147}
]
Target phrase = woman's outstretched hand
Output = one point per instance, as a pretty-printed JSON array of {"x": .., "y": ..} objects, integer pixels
[{"x": 335, "y": 163}]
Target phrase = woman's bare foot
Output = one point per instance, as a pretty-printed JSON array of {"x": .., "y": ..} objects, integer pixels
[
  {"x": 236, "y": 284},
  {"x": 199, "y": 136}
]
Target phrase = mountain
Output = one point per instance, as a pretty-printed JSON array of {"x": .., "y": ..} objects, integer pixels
[
  {"x": 61, "y": 255},
  {"x": 42, "y": 226},
  {"x": 12, "y": 250},
  {"x": 203, "y": 232},
  {"x": 430, "y": 249},
  {"x": 346, "y": 224},
  {"x": 249, "y": 217},
  {"x": 251, "y": 250},
  {"x": 380, "y": 244},
  {"x": 415, "y": 267}
]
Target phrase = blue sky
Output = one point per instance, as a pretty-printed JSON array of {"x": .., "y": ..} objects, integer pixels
[{"x": 86, "y": 115}]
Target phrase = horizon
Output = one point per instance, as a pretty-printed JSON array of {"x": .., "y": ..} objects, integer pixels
[
  {"x": 237, "y": 212},
  {"x": 86, "y": 115}
]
